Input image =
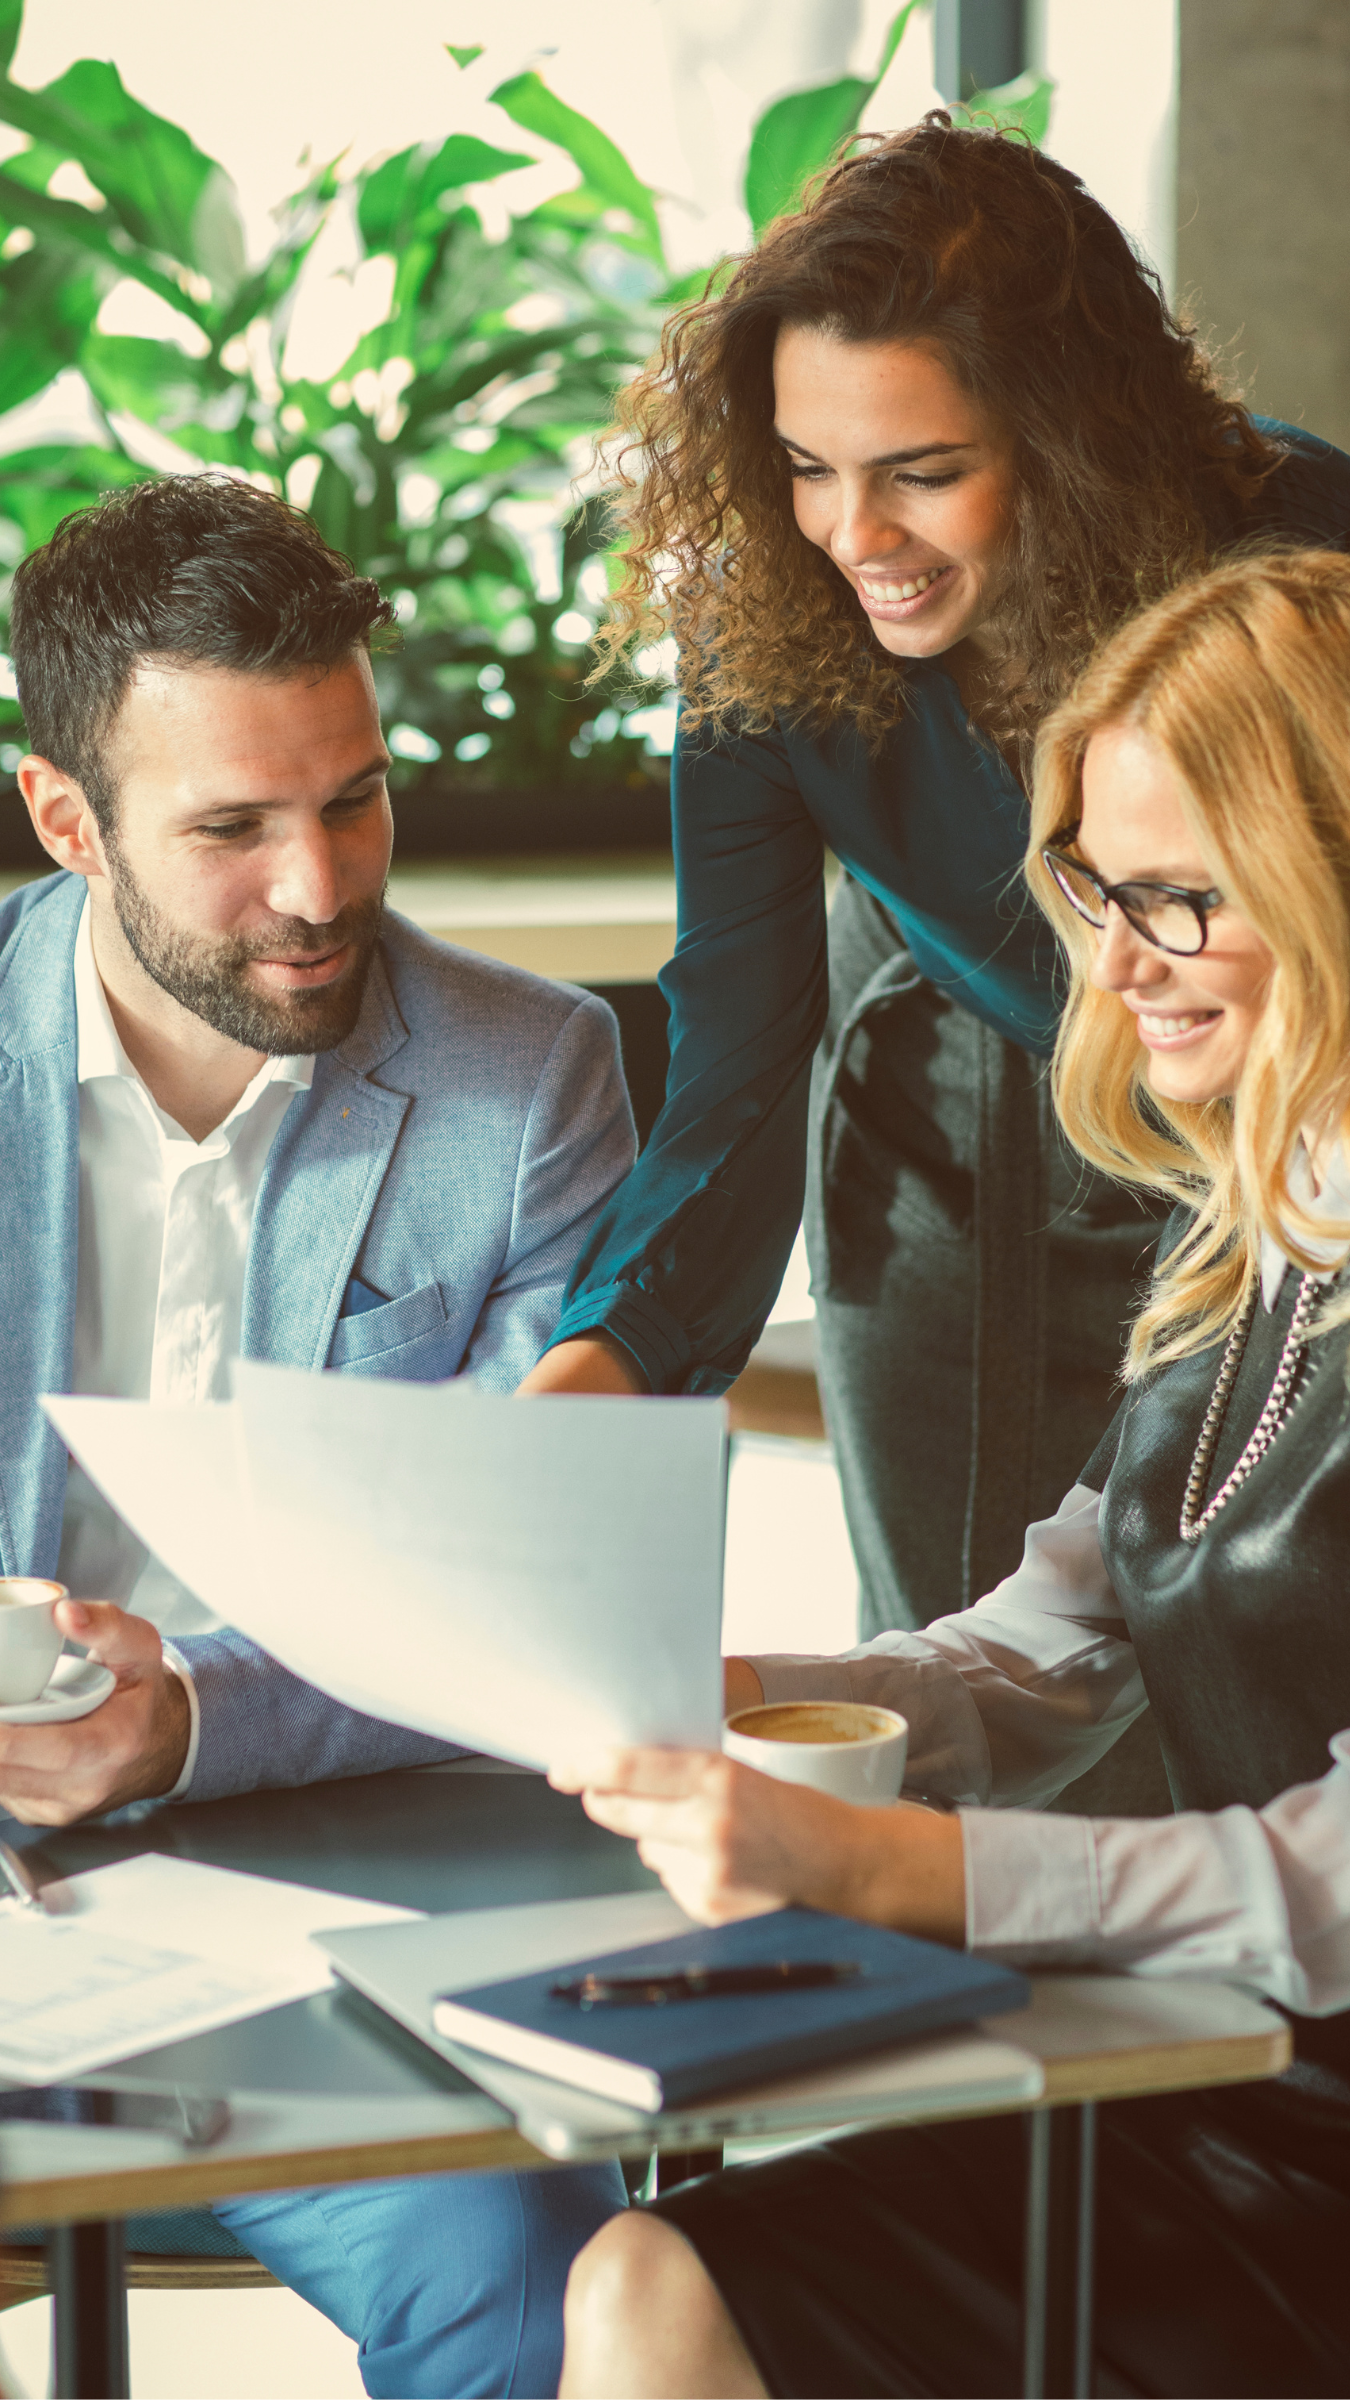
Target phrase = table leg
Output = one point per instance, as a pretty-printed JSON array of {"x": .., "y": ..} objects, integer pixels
[
  {"x": 1061, "y": 2196},
  {"x": 679, "y": 2166},
  {"x": 87, "y": 2271}
]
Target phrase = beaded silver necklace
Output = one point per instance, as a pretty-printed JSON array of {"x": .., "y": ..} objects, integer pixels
[{"x": 1194, "y": 1516}]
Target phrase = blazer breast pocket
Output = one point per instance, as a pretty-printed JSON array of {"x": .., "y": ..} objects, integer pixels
[{"x": 406, "y": 1338}]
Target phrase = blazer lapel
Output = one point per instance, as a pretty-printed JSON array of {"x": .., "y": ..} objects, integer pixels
[
  {"x": 39, "y": 1220},
  {"x": 320, "y": 1185}
]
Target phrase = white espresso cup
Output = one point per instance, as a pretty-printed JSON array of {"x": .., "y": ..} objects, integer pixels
[
  {"x": 30, "y": 1638},
  {"x": 842, "y": 1746}
]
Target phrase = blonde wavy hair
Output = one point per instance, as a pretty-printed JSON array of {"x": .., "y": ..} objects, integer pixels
[{"x": 1243, "y": 679}]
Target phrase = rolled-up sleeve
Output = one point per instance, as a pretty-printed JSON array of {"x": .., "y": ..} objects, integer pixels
[
  {"x": 1012, "y": 1699},
  {"x": 1258, "y": 1896},
  {"x": 683, "y": 1265},
  {"x": 1009, "y": 1701}
]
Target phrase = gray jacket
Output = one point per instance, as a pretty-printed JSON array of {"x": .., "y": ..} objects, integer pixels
[{"x": 419, "y": 1214}]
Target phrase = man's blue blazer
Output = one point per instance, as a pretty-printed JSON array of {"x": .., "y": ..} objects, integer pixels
[{"x": 419, "y": 1214}]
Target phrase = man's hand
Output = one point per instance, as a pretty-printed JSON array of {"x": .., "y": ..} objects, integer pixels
[
  {"x": 728, "y": 1842},
  {"x": 589, "y": 1364},
  {"x": 132, "y": 1748}
]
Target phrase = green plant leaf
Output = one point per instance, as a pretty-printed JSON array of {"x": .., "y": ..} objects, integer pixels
[
  {"x": 1020, "y": 106},
  {"x": 165, "y": 192},
  {"x": 35, "y": 166},
  {"x": 398, "y": 199},
  {"x": 42, "y": 486},
  {"x": 152, "y": 380},
  {"x": 88, "y": 231},
  {"x": 528, "y": 101},
  {"x": 793, "y": 138},
  {"x": 895, "y": 36},
  {"x": 11, "y": 26},
  {"x": 466, "y": 56},
  {"x": 49, "y": 298},
  {"x": 800, "y": 133}
]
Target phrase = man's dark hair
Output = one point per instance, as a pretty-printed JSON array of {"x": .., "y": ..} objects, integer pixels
[{"x": 195, "y": 570}]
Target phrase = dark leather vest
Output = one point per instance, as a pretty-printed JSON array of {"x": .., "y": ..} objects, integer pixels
[{"x": 1243, "y": 1637}]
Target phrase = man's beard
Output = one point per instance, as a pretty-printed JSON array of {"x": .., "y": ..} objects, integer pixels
[{"x": 210, "y": 977}]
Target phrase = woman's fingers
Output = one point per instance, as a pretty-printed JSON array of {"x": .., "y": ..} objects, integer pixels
[
  {"x": 729, "y": 1842},
  {"x": 725, "y": 1840},
  {"x": 661, "y": 1774},
  {"x": 695, "y": 1883},
  {"x": 680, "y": 1818}
]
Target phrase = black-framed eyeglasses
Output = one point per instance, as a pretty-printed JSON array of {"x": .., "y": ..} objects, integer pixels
[{"x": 1170, "y": 915}]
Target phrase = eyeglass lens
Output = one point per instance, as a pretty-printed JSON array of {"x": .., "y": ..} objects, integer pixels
[{"x": 1173, "y": 924}]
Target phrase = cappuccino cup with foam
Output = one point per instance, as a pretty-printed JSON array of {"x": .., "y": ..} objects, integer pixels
[
  {"x": 846, "y": 1747},
  {"x": 30, "y": 1638}
]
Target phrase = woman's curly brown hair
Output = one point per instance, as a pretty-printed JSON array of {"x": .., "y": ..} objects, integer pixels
[{"x": 1129, "y": 459}]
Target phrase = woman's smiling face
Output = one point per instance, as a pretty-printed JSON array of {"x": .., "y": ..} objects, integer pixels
[
  {"x": 1195, "y": 1016},
  {"x": 901, "y": 479}
]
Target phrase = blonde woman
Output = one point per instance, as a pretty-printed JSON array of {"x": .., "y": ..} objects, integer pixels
[{"x": 1191, "y": 843}]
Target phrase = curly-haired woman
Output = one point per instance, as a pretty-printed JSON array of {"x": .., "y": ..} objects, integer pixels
[
  {"x": 937, "y": 435},
  {"x": 1191, "y": 840}
]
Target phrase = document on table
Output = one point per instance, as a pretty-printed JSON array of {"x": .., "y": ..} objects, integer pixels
[
  {"x": 152, "y": 1950},
  {"x": 529, "y": 1578}
]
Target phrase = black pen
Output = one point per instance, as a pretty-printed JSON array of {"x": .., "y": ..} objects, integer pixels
[{"x": 703, "y": 1983}]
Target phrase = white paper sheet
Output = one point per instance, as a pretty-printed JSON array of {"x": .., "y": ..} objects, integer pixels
[
  {"x": 528, "y": 1578},
  {"x": 152, "y": 1950}
]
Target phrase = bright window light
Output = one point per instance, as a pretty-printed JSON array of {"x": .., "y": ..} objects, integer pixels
[
  {"x": 656, "y": 662},
  {"x": 419, "y": 497},
  {"x": 593, "y": 583},
  {"x": 572, "y": 628},
  {"x": 474, "y": 745},
  {"x": 301, "y": 478},
  {"x": 656, "y": 727},
  {"x": 409, "y": 741}
]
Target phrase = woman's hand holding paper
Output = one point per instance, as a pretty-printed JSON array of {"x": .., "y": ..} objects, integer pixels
[{"x": 728, "y": 1842}]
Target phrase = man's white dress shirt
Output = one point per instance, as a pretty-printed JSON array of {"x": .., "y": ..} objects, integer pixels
[
  {"x": 164, "y": 1233},
  {"x": 1012, "y": 1699}
]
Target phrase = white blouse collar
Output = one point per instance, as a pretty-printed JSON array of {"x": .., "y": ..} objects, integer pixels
[{"x": 1332, "y": 1203}]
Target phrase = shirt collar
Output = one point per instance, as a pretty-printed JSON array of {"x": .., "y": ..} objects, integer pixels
[
  {"x": 100, "y": 1049},
  {"x": 1332, "y": 1202}
]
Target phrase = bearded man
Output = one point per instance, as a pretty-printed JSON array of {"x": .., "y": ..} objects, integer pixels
[{"x": 246, "y": 1109}]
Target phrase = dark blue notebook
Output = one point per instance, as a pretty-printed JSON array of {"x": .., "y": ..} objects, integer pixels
[{"x": 654, "y": 2058}]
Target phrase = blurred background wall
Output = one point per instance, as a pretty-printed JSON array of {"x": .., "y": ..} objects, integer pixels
[{"x": 1263, "y": 196}]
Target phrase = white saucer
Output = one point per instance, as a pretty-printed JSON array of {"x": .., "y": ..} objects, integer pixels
[{"x": 78, "y": 1686}]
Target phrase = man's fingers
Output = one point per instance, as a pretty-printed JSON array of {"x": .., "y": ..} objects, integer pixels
[{"x": 127, "y": 1644}]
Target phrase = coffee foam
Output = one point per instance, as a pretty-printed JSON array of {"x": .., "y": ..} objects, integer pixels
[{"x": 819, "y": 1721}]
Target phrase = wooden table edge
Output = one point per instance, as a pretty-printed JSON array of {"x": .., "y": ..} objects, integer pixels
[
  {"x": 1167, "y": 2067},
  {"x": 194, "y": 2182},
  {"x": 1101, "y": 2075}
]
